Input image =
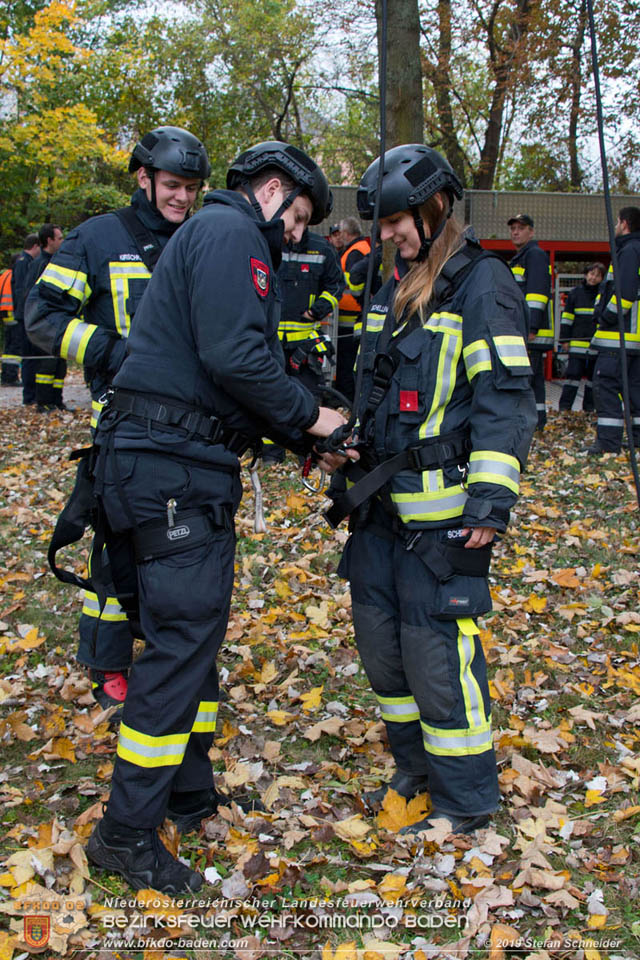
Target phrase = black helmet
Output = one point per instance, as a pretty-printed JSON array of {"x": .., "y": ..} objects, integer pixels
[
  {"x": 412, "y": 174},
  {"x": 292, "y": 161},
  {"x": 172, "y": 149}
]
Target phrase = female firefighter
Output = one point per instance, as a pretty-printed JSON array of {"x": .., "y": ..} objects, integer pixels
[{"x": 446, "y": 416}]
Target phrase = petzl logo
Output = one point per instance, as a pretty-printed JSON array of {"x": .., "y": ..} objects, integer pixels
[
  {"x": 36, "y": 931},
  {"x": 178, "y": 533}
]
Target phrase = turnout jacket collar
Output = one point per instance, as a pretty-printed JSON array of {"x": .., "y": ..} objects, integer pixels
[
  {"x": 151, "y": 216},
  {"x": 271, "y": 230},
  {"x": 627, "y": 238},
  {"x": 523, "y": 251}
]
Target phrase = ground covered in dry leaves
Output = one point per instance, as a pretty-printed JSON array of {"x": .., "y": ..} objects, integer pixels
[{"x": 556, "y": 875}]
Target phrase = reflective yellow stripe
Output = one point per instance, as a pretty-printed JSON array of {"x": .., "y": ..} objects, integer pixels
[
  {"x": 96, "y": 410},
  {"x": 325, "y": 295},
  {"x": 73, "y": 282},
  {"x": 354, "y": 287},
  {"x": 445, "y": 383},
  {"x": 75, "y": 340},
  {"x": 489, "y": 466},
  {"x": 517, "y": 271},
  {"x": 474, "y": 704},
  {"x": 44, "y": 379},
  {"x": 535, "y": 298},
  {"x": 427, "y": 505},
  {"x": 120, "y": 277},
  {"x": 146, "y": 751},
  {"x": 398, "y": 709},
  {"x": 456, "y": 743},
  {"x": 205, "y": 721},
  {"x": 477, "y": 357},
  {"x": 112, "y": 611}
]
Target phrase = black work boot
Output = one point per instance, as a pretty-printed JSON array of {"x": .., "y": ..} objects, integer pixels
[
  {"x": 408, "y": 785},
  {"x": 459, "y": 824},
  {"x": 140, "y": 857},
  {"x": 190, "y": 808}
]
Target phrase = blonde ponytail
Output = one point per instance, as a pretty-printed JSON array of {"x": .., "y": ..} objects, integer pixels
[{"x": 415, "y": 289}]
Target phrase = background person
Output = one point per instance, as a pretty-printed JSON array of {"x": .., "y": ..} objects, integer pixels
[
  {"x": 18, "y": 294},
  {"x": 532, "y": 271},
  {"x": 607, "y": 376},
  {"x": 49, "y": 371},
  {"x": 446, "y": 417},
  {"x": 83, "y": 309},
  {"x": 577, "y": 328},
  {"x": 11, "y": 332},
  {"x": 355, "y": 248}
]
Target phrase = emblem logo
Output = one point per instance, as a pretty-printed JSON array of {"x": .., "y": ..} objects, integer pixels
[
  {"x": 177, "y": 533},
  {"x": 37, "y": 931},
  {"x": 304, "y": 267},
  {"x": 260, "y": 276}
]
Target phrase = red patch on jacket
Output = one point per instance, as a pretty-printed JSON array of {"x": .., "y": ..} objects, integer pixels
[
  {"x": 304, "y": 267},
  {"x": 260, "y": 276},
  {"x": 409, "y": 400}
]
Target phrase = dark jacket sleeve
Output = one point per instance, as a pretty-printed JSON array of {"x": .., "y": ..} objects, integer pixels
[
  {"x": 503, "y": 410},
  {"x": 538, "y": 287},
  {"x": 54, "y": 307},
  {"x": 628, "y": 269},
  {"x": 332, "y": 285},
  {"x": 18, "y": 284},
  {"x": 236, "y": 335},
  {"x": 568, "y": 315}
]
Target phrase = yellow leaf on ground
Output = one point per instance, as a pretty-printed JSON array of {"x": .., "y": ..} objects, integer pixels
[
  {"x": 7, "y": 945},
  {"x": 354, "y": 828},
  {"x": 593, "y": 797},
  {"x": 392, "y": 887},
  {"x": 331, "y": 726},
  {"x": 626, "y": 814},
  {"x": 535, "y": 603},
  {"x": 501, "y": 936},
  {"x": 566, "y": 578},
  {"x": 313, "y": 699},
  {"x": 282, "y": 588},
  {"x": 269, "y": 672},
  {"x": 597, "y": 921},
  {"x": 397, "y": 813},
  {"x": 30, "y": 641},
  {"x": 63, "y": 747},
  {"x": 279, "y": 717}
]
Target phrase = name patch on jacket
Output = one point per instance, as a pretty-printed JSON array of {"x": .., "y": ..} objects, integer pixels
[{"x": 260, "y": 276}]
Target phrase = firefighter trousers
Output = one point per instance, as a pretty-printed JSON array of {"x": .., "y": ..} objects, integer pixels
[
  {"x": 580, "y": 365},
  {"x": 428, "y": 674},
  {"x": 536, "y": 359},
  {"x": 607, "y": 389},
  {"x": 169, "y": 716}
]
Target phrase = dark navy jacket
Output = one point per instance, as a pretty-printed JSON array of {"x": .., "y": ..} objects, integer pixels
[
  {"x": 607, "y": 336},
  {"x": 206, "y": 332}
]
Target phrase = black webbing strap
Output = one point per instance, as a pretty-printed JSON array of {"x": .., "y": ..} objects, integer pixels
[
  {"x": 75, "y": 517},
  {"x": 168, "y": 414},
  {"x": 156, "y": 538},
  {"x": 148, "y": 246},
  {"x": 438, "y": 452}
]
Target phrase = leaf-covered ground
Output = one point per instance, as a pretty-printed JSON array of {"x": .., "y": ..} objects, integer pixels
[{"x": 557, "y": 874}]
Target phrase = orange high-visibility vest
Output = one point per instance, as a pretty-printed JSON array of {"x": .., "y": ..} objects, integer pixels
[{"x": 6, "y": 303}]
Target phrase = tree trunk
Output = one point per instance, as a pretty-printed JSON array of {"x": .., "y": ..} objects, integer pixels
[
  {"x": 575, "y": 81},
  {"x": 405, "y": 122}
]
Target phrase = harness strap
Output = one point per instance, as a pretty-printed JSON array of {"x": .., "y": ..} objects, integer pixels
[
  {"x": 148, "y": 247},
  {"x": 447, "y": 450},
  {"x": 77, "y": 514},
  {"x": 167, "y": 414}
]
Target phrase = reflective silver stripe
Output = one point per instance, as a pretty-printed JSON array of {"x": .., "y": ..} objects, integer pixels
[
  {"x": 510, "y": 349},
  {"x": 494, "y": 466},
  {"x": 398, "y": 712},
  {"x": 610, "y": 422},
  {"x": 146, "y": 750},
  {"x": 635, "y": 421},
  {"x": 540, "y": 406},
  {"x": 75, "y": 340},
  {"x": 303, "y": 257},
  {"x": 458, "y": 743},
  {"x": 451, "y": 345},
  {"x": 79, "y": 283},
  {"x": 428, "y": 506}
]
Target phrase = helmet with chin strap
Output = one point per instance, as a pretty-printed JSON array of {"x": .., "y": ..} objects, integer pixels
[
  {"x": 412, "y": 173},
  {"x": 172, "y": 149},
  {"x": 304, "y": 172}
]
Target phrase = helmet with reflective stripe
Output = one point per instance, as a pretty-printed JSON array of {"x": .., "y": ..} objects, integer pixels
[
  {"x": 412, "y": 174},
  {"x": 304, "y": 172},
  {"x": 174, "y": 150}
]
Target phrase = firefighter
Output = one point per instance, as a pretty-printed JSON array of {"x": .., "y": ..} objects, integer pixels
[
  {"x": 532, "y": 270},
  {"x": 203, "y": 380},
  {"x": 83, "y": 308},
  {"x": 446, "y": 416},
  {"x": 607, "y": 377},
  {"x": 49, "y": 371},
  {"x": 12, "y": 338},
  {"x": 577, "y": 328},
  {"x": 356, "y": 247},
  {"x": 31, "y": 249},
  {"x": 311, "y": 283}
]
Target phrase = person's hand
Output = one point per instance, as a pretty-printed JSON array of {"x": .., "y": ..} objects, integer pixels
[
  {"x": 328, "y": 421},
  {"x": 480, "y": 536},
  {"x": 331, "y": 461},
  {"x": 532, "y": 336}
]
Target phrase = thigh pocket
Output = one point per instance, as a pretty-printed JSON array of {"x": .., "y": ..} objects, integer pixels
[
  {"x": 462, "y": 596},
  {"x": 191, "y": 585}
]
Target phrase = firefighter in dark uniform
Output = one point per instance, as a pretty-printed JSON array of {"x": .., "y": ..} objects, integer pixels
[
  {"x": 83, "y": 308},
  {"x": 532, "y": 270},
  {"x": 311, "y": 283},
  {"x": 576, "y": 330},
  {"x": 202, "y": 381},
  {"x": 607, "y": 377},
  {"x": 356, "y": 248},
  {"x": 446, "y": 416},
  {"x": 50, "y": 371},
  {"x": 18, "y": 294}
]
